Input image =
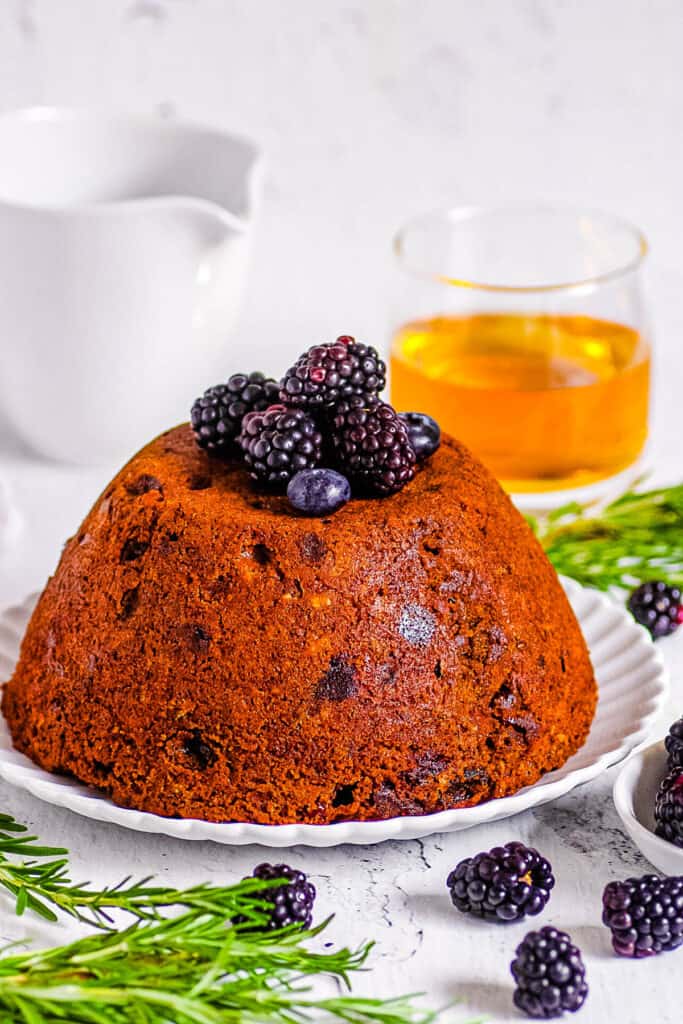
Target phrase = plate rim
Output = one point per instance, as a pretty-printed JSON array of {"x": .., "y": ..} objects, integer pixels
[{"x": 18, "y": 770}]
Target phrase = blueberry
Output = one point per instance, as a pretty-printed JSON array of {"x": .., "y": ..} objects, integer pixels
[
  {"x": 318, "y": 492},
  {"x": 424, "y": 433}
]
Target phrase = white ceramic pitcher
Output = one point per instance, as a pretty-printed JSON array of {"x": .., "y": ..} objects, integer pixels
[{"x": 123, "y": 255}]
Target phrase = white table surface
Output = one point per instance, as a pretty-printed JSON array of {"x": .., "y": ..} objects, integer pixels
[{"x": 395, "y": 892}]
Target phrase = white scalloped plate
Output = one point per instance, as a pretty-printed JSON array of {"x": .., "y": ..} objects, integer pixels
[{"x": 633, "y": 686}]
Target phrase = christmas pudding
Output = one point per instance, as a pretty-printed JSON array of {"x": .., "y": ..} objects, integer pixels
[
  {"x": 203, "y": 652},
  {"x": 215, "y": 649}
]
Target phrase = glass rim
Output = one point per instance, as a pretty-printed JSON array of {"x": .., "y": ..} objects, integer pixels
[{"x": 460, "y": 214}]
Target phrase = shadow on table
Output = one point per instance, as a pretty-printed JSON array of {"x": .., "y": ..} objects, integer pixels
[
  {"x": 593, "y": 940},
  {"x": 438, "y": 905},
  {"x": 485, "y": 1001}
]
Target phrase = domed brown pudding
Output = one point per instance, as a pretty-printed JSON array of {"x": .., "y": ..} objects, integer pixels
[{"x": 204, "y": 652}]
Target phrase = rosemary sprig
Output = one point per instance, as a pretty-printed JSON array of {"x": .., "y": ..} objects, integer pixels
[
  {"x": 190, "y": 969},
  {"x": 196, "y": 967},
  {"x": 42, "y": 884},
  {"x": 637, "y": 537}
]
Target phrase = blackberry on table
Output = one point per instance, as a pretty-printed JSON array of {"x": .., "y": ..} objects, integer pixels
[
  {"x": 644, "y": 915},
  {"x": 292, "y": 902},
  {"x": 674, "y": 745},
  {"x": 327, "y": 374},
  {"x": 669, "y": 808},
  {"x": 279, "y": 442},
  {"x": 657, "y": 606},
  {"x": 217, "y": 416},
  {"x": 506, "y": 883},
  {"x": 371, "y": 446},
  {"x": 550, "y": 975}
]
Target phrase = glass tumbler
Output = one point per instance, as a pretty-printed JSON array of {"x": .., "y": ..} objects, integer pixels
[{"x": 523, "y": 330}]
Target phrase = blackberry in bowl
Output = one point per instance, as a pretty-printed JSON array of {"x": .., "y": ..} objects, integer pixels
[
  {"x": 674, "y": 745},
  {"x": 669, "y": 808}
]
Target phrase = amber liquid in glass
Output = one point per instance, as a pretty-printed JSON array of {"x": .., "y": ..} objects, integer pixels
[{"x": 547, "y": 402}]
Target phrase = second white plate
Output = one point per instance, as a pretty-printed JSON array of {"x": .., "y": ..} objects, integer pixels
[{"x": 632, "y": 683}]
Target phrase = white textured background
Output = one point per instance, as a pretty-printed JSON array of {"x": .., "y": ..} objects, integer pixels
[
  {"x": 368, "y": 113},
  {"x": 371, "y": 111}
]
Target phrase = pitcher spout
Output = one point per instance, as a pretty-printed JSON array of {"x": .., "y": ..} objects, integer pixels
[
  {"x": 215, "y": 178},
  {"x": 208, "y": 223},
  {"x": 222, "y": 171}
]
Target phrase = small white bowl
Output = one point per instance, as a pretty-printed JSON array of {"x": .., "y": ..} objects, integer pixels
[{"x": 634, "y": 799}]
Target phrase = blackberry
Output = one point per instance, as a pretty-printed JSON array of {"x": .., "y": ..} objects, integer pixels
[
  {"x": 669, "y": 808},
  {"x": 292, "y": 902},
  {"x": 371, "y": 446},
  {"x": 674, "y": 745},
  {"x": 505, "y": 884},
  {"x": 217, "y": 416},
  {"x": 279, "y": 442},
  {"x": 318, "y": 492},
  {"x": 657, "y": 606},
  {"x": 645, "y": 915},
  {"x": 327, "y": 374},
  {"x": 550, "y": 974},
  {"x": 424, "y": 433}
]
